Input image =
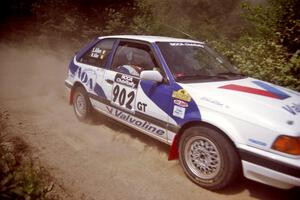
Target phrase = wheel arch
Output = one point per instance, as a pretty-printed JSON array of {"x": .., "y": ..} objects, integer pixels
[
  {"x": 174, "y": 154},
  {"x": 75, "y": 85}
]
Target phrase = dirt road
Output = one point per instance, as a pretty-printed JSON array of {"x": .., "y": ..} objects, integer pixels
[{"x": 101, "y": 161}]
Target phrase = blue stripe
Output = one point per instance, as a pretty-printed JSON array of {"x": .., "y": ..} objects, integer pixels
[
  {"x": 280, "y": 94},
  {"x": 99, "y": 91},
  {"x": 111, "y": 54},
  {"x": 161, "y": 95},
  {"x": 73, "y": 68}
]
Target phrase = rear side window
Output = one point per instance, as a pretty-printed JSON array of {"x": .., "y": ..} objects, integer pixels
[{"x": 98, "y": 54}]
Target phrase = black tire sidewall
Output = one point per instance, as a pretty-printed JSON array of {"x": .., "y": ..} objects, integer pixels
[
  {"x": 230, "y": 163},
  {"x": 87, "y": 116}
]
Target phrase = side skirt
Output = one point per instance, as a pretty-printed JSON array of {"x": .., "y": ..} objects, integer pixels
[{"x": 131, "y": 120}]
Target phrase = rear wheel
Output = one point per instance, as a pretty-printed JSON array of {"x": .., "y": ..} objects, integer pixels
[
  {"x": 208, "y": 158},
  {"x": 82, "y": 105}
]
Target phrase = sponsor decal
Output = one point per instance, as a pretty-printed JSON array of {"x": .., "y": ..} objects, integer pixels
[
  {"x": 186, "y": 44},
  {"x": 179, "y": 111},
  {"x": 182, "y": 95},
  {"x": 87, "y": 77},
  {"x": 269, "y": 91},
  {"x": 127, "y": 80},
  {"x": 181, "y": 103},
  {"x": 293, "y": 108},
  {"x": 213, "y": 101},
  {"x": 124, "y": 91},
  {"x": 257, "y": 142},
  {"x": 135, "y": 121}
]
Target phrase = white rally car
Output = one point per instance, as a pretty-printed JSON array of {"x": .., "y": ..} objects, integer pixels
[{"x": 217, "y": 121}]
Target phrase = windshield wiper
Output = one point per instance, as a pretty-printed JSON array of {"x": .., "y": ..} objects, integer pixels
[
  {"x": 229, "y": 74},
  {"x": 225, "y": 75},
  {"x": 194, "y": 77}
]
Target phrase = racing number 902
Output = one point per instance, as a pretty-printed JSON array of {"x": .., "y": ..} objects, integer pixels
[{"x": 121, "y": 97}]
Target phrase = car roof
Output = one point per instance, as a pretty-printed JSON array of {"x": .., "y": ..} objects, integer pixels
[{"x": 150, "y": 38}]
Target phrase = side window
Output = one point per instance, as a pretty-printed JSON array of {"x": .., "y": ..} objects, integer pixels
[
  {"x": 132, "y": 58},
  {"x": 98, "y": 55}
]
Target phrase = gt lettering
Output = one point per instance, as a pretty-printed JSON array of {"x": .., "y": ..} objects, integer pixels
[{"x": 141, "y": 106}]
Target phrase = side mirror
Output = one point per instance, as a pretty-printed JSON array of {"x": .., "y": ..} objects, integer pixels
[{"x": 151, "y": 75}]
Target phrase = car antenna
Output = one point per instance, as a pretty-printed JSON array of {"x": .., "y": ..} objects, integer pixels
[{"x": 179, "y": 31}]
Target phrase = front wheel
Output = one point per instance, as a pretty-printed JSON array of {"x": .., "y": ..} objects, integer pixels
[
  {"x": 208, "y": 158},
  {"x": 82, "y": 105}
]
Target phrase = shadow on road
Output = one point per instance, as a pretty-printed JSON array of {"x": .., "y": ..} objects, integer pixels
[{"x": 261, "y": 191}]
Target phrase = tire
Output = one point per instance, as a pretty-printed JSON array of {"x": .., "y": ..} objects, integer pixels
[
  {"x": 208, "y": 158},
  {"x": 82, "y": 105}
]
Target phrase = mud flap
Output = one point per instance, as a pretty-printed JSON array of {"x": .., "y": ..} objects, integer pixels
[
  {"x": 71, "y": 97},
  {"x": 173, "y": 154}
]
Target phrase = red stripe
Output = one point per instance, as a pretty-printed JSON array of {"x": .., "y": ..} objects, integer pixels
[{"x": 249, "y": 90}]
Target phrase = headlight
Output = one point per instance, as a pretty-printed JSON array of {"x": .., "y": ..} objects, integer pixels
[{"x": 287, "y": 144}]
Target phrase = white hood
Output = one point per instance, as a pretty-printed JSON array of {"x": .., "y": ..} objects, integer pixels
[{"x": 251, "y": 100}]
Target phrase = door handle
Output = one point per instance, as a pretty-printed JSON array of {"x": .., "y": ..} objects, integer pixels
[{"x": 109, "y": 81}]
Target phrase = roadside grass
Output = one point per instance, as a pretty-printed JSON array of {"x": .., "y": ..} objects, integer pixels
[{"x": 21, "y": 177}]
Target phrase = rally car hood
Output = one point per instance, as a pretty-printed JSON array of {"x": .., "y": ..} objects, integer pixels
[{"x": 251, "y": 100}]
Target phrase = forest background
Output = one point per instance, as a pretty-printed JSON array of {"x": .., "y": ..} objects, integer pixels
[{"x": 261, "y": 37}]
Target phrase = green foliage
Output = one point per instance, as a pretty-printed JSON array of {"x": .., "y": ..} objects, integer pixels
[
  {"x": 272, "y": 51},
  {"x": 200, "y": 18},
  {"x": 280, "y": 20},
  {"x": 263, "y": 59},
  {"x": 115, "y": 23},
  {"x": 20, "y": 178},
  {"x": 59, "y": 19}
]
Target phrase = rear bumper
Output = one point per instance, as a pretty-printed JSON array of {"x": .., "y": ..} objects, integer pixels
[
  {"x": 67, "y": 84},
  {"x": 270, "y": 170},
  {"x": 68, "y": 91}
]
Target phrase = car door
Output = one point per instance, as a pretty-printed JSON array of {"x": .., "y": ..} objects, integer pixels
[{"x": 139, "y": 103}]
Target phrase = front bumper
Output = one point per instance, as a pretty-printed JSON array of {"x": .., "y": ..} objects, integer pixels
[{"x": 270, "y": 169}]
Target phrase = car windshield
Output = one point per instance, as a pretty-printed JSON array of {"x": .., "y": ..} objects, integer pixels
[{"x": 191, "y": 62}]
